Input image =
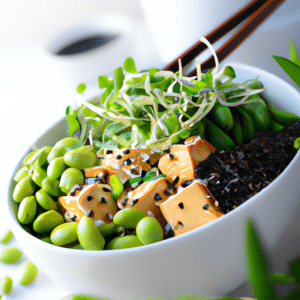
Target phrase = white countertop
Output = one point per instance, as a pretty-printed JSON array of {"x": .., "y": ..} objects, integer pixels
[{"x": 35, "y": 94}]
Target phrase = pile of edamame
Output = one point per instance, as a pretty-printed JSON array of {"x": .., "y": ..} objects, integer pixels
[
  {"x": 48, "y": 173},
  {"x": 11, "y": 255}
]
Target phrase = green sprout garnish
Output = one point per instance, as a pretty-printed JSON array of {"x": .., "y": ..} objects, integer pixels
[{"x": 153, "y": 108}]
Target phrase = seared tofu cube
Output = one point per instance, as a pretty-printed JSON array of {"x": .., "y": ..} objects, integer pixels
[
  {"x": 128, "y": 163},
  {"x": 191, "y": 207},
  {"x": 149, "y": 196},
  {"x": 181, "y": 161},
  {"x": 93, "y": 200}
]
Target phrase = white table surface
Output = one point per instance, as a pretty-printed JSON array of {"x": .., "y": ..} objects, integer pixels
[{"x": 35, "y": 95}]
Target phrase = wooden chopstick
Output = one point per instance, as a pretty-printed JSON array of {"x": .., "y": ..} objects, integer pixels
[
  {"x": 258, "y": 17},
  {"x": 260, "y": 10},
  {"x": 216, "y": 34}
]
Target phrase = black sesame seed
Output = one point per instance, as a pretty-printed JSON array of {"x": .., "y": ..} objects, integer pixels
[
  {"x": 109, "y": 152},
  {"x": 180, "y": 223},
  {"x": 106, "y": 190},
  {"x": 206, "y": 206},
  {"x": 157, "y": 197},
  {"x": 186, "y": 183},
  {"x": 166, "y": 151},
  {"x": 89, "y": 198},
  {"x": 181, "y": 205},
  {"x": 126, "y": 151},
  {"x": 175, "y": 180},
  {"x": 171, "y": 156},
  {"x": 73, "y": 218},
  {"x": 134, "y": 201},
  {"x": 168, "y": 231},
  {"x": 101, "y": 157},
  {"x": 127, "y": 162},
  {"x": 126, "y": 185},
  {"x": 91, "y": 214},
  {"x": 75, "y": 188},
  {"x": 103, "y": 200},
  {"x": 119, "y": 156},
  {"x": 166, "y": 193}
]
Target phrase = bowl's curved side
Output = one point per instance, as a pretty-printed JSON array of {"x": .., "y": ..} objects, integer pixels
[{"x": 206, "y": 261}]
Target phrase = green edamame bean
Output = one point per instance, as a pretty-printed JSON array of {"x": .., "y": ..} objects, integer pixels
[
  {"x": 44, "y": 200},
  {"x": 24, "y": 188},
  {"x": 78, "y": 247},
  {"x": 28, "y": 272},
  {"x": 47, "y": 221},
  {"x": 107, "y": 229},
  {"x": 61, "y": 147},
  {"x": 6, "y": 237},
  {"x": 89, "y": 236},
  {"x": 38, "y": 157},
  {"x": 128, "y": 217},
  {"x": 148, "y": 230},
  {"x": 27, "y": 210},
  {"x": 222, "y": 116},
  {"x": 69, "y": 178},
  {"x": 216, "y": 136},
  {"x": 237, "y": 131},
  {"x": 51, "y": 187},
  {"x": 81, "y": 158},
  {"x": 247, "y": 123},
  {"x": 39, "y": 174},
  {"x": 28, "y": 156},
  {"x": 123, "y": 242},
  {"x": 274, "y": 126},
  {"x": 64, "y": 234},
  {"x": 259, "y": 113},
  {"x": 56, "y": 167},
  {"x": 282, "y": 117},
  {"x": 116, "y": 186},
  {"x": 22, "y": 173},
  {"x": 46, "y": 239},
  {"x": 10, "y": 255},
  {"x": 5, "y": 285}
]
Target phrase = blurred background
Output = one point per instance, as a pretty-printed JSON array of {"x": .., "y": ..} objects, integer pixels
[{"x": 37, "y": 84}]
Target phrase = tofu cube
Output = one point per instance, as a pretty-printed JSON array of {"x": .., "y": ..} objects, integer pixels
[
  {"x": 191, "y": 207},
  {"x": 182, "y": 160},
  {"x": 149, "y": 196},
  {"x": 93, "y": 200}
]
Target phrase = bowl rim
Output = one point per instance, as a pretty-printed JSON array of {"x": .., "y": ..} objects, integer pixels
[{"x": 15, "y": 225}]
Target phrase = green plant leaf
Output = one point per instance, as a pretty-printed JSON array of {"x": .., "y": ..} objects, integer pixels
[
  {"x": 105, "y": 83},
  {"x": 81, "y": 88},
  {"x": 293, "y": 54},
  {"x": 292, "y": 69},
  {"x": 73, "y": 123},
  {"x": 119, "y": 78},
  {"x": 129, "y": 65},
  {"x": 259, "y": 275}
]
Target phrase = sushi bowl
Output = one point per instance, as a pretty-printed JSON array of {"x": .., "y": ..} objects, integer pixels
[{"x": 208, "y": 260}]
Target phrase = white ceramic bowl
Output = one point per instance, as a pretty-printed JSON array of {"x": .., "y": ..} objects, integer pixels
[{"x": 208, "y": 260}]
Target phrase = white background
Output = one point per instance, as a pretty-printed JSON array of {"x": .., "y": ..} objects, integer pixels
[{"x": 34, "y": 92}]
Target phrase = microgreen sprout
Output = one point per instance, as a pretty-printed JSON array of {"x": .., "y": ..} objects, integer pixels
[{"x": 153, "y": 106}]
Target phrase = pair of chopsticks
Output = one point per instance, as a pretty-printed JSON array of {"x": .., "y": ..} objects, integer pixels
[{"x": 259, "y": 10}]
